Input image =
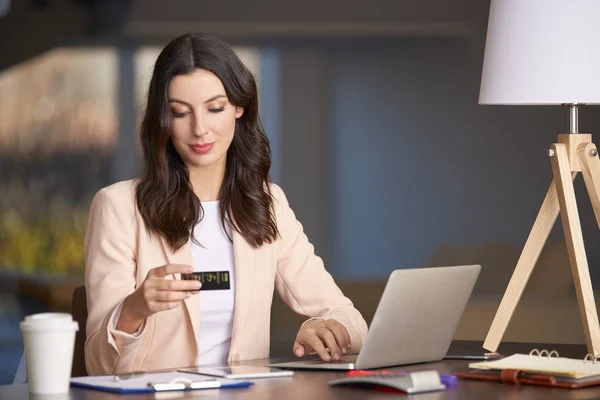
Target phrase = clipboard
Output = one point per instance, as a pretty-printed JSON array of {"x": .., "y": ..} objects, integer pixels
[{"x": 156, "y": 382}]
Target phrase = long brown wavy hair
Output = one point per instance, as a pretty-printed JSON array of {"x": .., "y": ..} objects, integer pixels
[{"x": 164, "y": 194}]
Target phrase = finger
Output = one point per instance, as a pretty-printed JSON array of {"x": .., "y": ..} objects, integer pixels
[
  {"x": 298, "y": 349},
  {"x": 340, "y": 338},
  {"x": 348, "y": 339},
  {"x": 161, "y": 272},
  {"x": 176, "y": 284},
  {"x": 170, "y": 296},
  {"x": 315, "y": 343},
  {"x": 330, "y": 323},
  {"x": 165, "y": 306},
  {"x": 327, "y": 337}
]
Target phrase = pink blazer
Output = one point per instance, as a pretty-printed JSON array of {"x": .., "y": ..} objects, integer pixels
[{"x": 119, "y": 252}]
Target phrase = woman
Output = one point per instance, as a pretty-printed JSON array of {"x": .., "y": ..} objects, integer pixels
[{"x": 203, "y": 203}]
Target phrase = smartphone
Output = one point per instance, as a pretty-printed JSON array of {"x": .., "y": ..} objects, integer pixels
[
  {"x": 481, "y": 356},
  {"x": 239, "y": 372}
]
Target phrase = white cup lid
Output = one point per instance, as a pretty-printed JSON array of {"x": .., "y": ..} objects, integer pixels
[{"x": 49, "y": 322}]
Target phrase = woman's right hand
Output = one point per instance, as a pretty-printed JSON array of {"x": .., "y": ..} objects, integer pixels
[{"x": 156, "y": 294}]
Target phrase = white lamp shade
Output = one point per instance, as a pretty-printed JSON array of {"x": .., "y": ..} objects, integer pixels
[{"x": 542, "y": 52}]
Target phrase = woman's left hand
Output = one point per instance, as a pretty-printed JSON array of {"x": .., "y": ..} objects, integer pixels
[{"x": 328, "y": 338}]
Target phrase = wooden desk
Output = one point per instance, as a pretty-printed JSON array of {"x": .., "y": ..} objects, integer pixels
[{"x": 312, "y": 385}]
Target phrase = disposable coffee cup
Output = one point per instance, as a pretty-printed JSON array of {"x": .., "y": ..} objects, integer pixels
[{"x": 49, "y": 340}]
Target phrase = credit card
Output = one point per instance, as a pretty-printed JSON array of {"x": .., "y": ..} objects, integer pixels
[{"x": 211, "y": 280}]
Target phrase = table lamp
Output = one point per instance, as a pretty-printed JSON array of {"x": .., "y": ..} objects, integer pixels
[{"x": 547, "y": 52}]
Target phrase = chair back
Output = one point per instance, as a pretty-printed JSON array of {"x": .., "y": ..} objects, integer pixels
[{"x": 79, "y": 311}]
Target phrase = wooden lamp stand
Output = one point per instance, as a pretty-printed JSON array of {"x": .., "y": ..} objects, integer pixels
[{"x": 573, "y": 153}]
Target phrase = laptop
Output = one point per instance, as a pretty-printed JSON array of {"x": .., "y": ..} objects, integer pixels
[{"x": 415, "y": 321}]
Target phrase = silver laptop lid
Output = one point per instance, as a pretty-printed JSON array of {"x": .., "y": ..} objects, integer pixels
[{"x": 417, "y": 315}]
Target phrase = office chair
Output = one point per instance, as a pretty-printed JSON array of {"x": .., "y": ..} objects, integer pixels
[
  {"x": 21, "y": 373},
  {"x": 79, "y": 312}
]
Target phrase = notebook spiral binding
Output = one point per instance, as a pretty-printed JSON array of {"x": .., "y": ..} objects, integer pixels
[
  {"x": 542, "y": 353},
  {"x": 554, "y": 354}
]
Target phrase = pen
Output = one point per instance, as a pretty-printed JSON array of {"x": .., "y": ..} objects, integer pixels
[
  {"x": 447, "y": 379},
  {"x": 166, "y": 386},
  {"x": 130, "y": 375},
  {"x": 183, "y": 383}
]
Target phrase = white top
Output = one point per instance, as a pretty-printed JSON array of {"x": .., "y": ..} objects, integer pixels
[{"x": 215, "y": 253}]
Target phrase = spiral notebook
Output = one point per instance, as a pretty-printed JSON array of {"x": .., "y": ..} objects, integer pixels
[
  {"x": 540, "y": 368},
  {"x": 546, "y": 362}
]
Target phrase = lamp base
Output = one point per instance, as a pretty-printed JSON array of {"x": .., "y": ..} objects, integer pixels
[{"x": 572, "y": 154}]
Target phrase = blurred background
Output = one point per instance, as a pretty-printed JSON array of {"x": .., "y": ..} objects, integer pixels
[{"x": 377, "y": 139}]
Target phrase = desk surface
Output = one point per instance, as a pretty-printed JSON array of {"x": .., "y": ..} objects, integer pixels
[{"x": 312, "y": 385}]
